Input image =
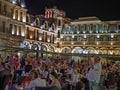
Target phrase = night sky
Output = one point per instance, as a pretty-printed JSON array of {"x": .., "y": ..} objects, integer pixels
[{"x": 103, "y": 9}]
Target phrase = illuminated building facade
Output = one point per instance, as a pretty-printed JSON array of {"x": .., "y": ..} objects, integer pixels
[
  {"x": 53, "y": 13},
  {"x": 21, "y": 32},
  {"x": 12, "y": 24},
  {"x": 52, "y": 32},
  {"x": 90, "y": 35}
]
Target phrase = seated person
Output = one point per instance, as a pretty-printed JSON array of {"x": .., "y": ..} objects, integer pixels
[{"x": 36, "y": 81}]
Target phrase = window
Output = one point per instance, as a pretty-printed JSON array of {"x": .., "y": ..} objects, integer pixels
[
  {"x": 0, "y": 7},
  {"x": 59, "y": 23},
  {"x": 118, "y": 28},
  {"x": 112, "y": 27},
  {"x": 31, "y": 33},
  {"x": 45, "y": 36},
  {"x": 84, "y": 28},
  {"x": 27, "y": 32},
  {"x": 15, "y": 29},
  {"x": 37, "y": 36},
  {"x": 27, "y": 19},
  {"x": 19, "y": 31},
  {"x": 37, "y": 22},
  {"x": 20, "y": 16},
  {"x": 3, "y": 26},
  {"x": 34, "y": 35},
  {"x": 10, "y": 29},
  {"x": 58, "y": 34},
  {"x": 5, "y": 10},
  {"x": 53, "y": 38},
  {"x": 91, "y": 28},
  {"x": 11, "y": 12},
  {"x": 46, "y": 25},
  {"x": 79, "y": 28},
  {"x": 16, "y": 15}
]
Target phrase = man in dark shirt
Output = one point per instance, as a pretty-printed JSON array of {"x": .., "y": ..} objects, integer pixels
[{"x": 28, "y": 67}]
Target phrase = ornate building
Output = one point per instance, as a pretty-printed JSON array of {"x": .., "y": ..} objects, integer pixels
[
  {"x": 12, "y": 24},
  {"x": 21, "y": 32},
  {"x": 52, "y": 34},
  {"x": 89, "y": 35}
]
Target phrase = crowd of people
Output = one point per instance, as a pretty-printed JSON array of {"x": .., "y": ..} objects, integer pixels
[{"x": 27, "y": 73}]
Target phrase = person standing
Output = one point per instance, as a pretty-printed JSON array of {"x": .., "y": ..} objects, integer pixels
[{"x": 94, "y": 74}]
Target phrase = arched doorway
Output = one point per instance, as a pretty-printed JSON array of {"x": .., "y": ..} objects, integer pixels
[
  {"x": 52, "y": 50},
  {"x": 66, "y": 50},
  {"x": 36, "y": 48},
  {"x": 44, "y": 49},
  {"x": 79, "y": 51},
  {"x": 26, "y": 46}
]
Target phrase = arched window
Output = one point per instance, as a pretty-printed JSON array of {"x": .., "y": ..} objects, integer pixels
[
  {"x": 91, "y": 28},
  {"x": 37, "y": 22},
  {"x": 53, "y": 27},
  {"x": 46, "y": 25},
  {"x": 83, "y": 28},
  {"x": 94, "y": 28},
  {"x": 28, "y": 19}
]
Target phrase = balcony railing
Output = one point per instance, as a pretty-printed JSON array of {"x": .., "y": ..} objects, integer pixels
[{"x": 91, "y": 43}]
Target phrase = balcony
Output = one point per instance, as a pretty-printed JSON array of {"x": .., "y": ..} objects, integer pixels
[{"x": 92, "y": 43}]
